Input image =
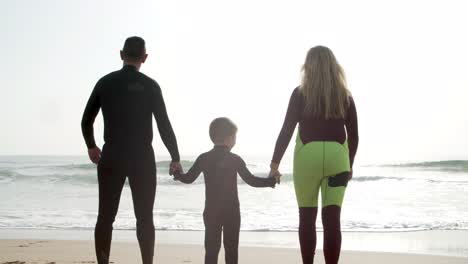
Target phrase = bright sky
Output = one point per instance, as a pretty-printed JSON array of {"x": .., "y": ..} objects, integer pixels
[{"x": 405, "y": 62}]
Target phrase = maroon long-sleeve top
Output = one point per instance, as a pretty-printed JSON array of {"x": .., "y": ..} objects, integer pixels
[{"x": 315, "y": 129}]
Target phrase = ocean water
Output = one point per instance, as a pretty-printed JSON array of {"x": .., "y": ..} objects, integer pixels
[{"x": 39, "y": 192}]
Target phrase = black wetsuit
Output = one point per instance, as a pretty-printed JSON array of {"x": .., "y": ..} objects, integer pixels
[
  {"x": 222, "y": 214},
  {"x": 128, "y": 100},
  {"x": 315, "y": 129}
]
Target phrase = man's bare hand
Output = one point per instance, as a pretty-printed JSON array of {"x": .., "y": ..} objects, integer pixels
[
  {"x": 94, "y": 154},
  {"x": 175, "y": 167}
]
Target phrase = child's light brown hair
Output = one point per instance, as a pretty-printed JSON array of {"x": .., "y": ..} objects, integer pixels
[{"x": 222, "y": 128}]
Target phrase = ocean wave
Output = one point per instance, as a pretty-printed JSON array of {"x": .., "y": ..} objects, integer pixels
[
  {"x": 444, "y": 165},
  {"x": 81, "y": 166},
  {"x": 71, "y": 173},
  {"x": 345, "y": 228},
  {"x": 90, "y": 178},
  {"x": 85, "y": 173},
  {"x": 89, "y": 166},
  {"x": 375, "y": 178},
  {"x": 5, "y": 173},
  {"x": 186, "y": 164}
]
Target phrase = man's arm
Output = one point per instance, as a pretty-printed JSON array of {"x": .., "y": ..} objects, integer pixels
[
  {"x": 192, "y": 173},
  {"x": 164, "y": 125},
  {"x": 89, "y": 115},
  {"x": 252, "y": 180}
]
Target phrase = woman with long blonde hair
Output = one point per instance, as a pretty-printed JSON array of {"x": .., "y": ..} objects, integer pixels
[{"x": 326, "y": 145}]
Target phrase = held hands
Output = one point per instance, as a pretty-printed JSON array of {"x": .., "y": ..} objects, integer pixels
[
  {"x": 94, "y": 154},
  {"x": 274, "y": 172},
  {"x": 175, "y": 168}
]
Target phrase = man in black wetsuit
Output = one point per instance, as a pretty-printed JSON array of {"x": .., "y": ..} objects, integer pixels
[{"x": 128, "y": 100}]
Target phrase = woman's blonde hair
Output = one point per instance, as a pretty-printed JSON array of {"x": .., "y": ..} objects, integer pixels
[{"x": 324, "y": 85}]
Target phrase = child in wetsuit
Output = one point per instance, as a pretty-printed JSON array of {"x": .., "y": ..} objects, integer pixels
[{"x": 220, "y": 168}]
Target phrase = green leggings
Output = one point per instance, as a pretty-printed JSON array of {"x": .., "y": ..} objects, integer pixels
[{"x": 320, "y": 165}]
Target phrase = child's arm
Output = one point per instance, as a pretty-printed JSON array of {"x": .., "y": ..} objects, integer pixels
[
  {"x": 192, "y": 173},
  {"x": 251, "y": 179}
]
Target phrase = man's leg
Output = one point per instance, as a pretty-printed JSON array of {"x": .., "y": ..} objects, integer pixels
[
  {"x": 231, "y": 229},
  {"x": 143, "y": 185},
  {"x": 213, "y": 230},
  {"x": 111, "y": 182}
]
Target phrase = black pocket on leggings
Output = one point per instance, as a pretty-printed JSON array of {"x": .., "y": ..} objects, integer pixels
[{"x": 338, "y": 180}]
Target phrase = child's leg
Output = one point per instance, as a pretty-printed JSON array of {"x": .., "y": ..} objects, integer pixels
[
  {"x": 213, "y": 229},
  {"x": 231, "y": 229}
]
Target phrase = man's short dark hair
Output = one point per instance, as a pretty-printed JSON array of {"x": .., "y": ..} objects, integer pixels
[
  {"x": 134, "y": 48},
  {"x": 221, "y": 128}
]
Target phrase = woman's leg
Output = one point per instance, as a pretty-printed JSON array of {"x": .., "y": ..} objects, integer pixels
[
  {"x": 331, "y": 233},
  {"x": 333, "y": 188},
  {"x": 307, "y": 233},
  {"x": 308, "y": 173},
  {"x": 332, "y": 199}
]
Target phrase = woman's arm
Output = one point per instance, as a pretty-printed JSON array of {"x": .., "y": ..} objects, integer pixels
[
  {"x": 352, "y": 131},
  {"x": 289, "y": 125}
]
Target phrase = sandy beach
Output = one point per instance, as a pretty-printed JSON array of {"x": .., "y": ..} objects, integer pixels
[
  {"x": 76, "y": 246},
  {"x": 62, "y": 251}
]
